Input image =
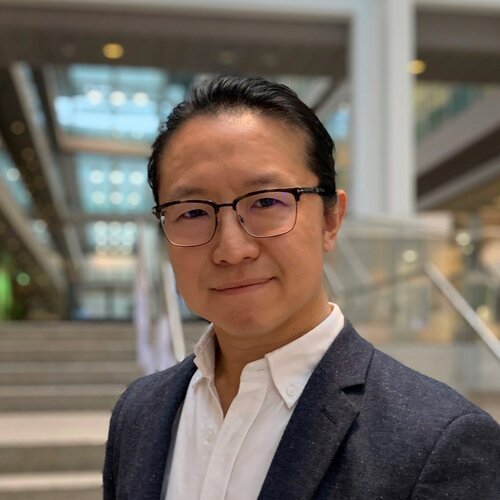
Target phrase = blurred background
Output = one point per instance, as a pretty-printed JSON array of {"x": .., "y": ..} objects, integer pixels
[{"x": 410, "y": 92}]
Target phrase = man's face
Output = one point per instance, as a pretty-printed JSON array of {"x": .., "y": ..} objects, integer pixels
[{"x": 222, "y": 157}]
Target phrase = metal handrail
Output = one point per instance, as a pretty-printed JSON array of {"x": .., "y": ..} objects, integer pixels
[
  {"x": 453, "y": 296},
  {"x": 463, "y": 308},
  {"x": 142, "y": 310},
  {"x": 171, "y": 305},
  {"x": 377, "y": 284}
]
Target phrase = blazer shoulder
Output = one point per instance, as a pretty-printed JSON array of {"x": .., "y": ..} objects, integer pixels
[
  {"x": 414, "y": 395},
  {"x": 146, "y": 389}
]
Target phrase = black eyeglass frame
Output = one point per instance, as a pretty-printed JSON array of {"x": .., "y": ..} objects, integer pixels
[{"x": 296, "y": 191}]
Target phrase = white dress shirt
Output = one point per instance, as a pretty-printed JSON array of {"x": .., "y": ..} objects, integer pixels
[{"x": 216, "y": 457}]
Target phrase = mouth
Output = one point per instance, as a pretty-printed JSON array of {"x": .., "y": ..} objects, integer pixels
[{"x": 243, "y": 286}]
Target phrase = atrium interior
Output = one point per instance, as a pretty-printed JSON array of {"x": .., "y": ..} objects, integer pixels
[{"x": 409, "y": 91}]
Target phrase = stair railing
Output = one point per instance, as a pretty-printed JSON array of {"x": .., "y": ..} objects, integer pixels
[
  {"x": 143, "y": 309},
  {"x": 173, "y": 337},
  {"x": 459, "y": 303},
  {"x": 440, "y": 282}
]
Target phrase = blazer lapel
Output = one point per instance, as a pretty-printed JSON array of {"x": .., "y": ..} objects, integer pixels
[
  {"x": 320, "y": 422},
  {"x": 154, "y": 437}
]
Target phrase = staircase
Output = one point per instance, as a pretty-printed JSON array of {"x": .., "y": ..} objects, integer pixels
[{"x": 58, "y": 383}]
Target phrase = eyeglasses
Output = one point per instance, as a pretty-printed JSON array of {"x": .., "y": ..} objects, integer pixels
[{"x": 262, "y": 214}]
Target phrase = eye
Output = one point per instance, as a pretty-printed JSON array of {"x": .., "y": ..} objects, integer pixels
[
  {"x": 266, "y": 202},
  {"x": 196, "y": 213}
]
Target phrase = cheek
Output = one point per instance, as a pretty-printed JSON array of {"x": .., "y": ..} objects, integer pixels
[
  {"x": 186, "y": 269},
  {"x": 301, "y": 258}
]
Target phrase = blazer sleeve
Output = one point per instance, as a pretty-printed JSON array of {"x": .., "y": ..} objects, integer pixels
[
  {"x": 109, "y": 474},
  {"x": 464, "y": 463}
]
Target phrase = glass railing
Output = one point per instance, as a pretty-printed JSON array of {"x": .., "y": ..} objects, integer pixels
[
  {"x": 418, "y": 323},
  {"x": 436, "y": 103},
  {"x": 445, "y": 327}
]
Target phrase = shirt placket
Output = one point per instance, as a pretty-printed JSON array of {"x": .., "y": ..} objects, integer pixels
[{"x": 237, "y": 422}]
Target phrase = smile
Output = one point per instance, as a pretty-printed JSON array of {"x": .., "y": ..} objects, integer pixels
[{"x": 242, "y": 287}]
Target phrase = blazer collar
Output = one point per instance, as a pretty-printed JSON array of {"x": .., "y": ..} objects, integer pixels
[
  {"x": 157, "y": 419},
  {"x": 321, "y": 420}
]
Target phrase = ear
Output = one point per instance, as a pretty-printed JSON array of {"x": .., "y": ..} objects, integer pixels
[{"x": 332, "y": 220}]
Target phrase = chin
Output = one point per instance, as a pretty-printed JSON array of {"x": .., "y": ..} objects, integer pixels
[{"x": 247, "y": 323}]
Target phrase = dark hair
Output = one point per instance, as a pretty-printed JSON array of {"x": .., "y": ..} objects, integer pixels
[{"x": 229, "y": 93}]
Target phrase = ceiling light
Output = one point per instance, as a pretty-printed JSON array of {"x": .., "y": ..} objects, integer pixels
[
  {"x": 94, "y": 97},
  {"x": 136, "y": 178},
  {"x": 98, "y": 197},
  {"x": 13, "y": 174},
  {"x": 463, "y": 239},
  {"x": 410, "y": 256},
  {"x": 113, "y": 50},
  {"x": 115, "y": 227},
  {"x": 141, "y": 99},
  {"x": 117, "y": 98},
  {"x": 28, "y": 154},
  {"x": 17, "y": 127},
  {"x": 96, "y": 176},
  {"x": 129, "y": 227},
  {"x": 100, "y": 227},
  {"x": 115, "y": 198},
  {"x": 116, "y": 177},
  {"x": 417, "y": 67},
  {"x": 23, "y": 279},
  {"x": 134, "y": 199},
  {"x": 39, "y": 225}
]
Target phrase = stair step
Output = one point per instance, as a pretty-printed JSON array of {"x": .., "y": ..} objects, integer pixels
[
  {"x": 59, "y": 397},
  {"x": 64, "y": 344},
  {"x": 50, "y": 457},
  {"x": 52, "y": 486},
  {"x": 60, "y": 330},
  {"x": 46, "y": 373},
  {"x": 51, "y": 441},
  {"x": 124, "y": 352}
]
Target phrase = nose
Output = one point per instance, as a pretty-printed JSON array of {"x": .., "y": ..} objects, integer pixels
[{"x": 232, "y": 244}]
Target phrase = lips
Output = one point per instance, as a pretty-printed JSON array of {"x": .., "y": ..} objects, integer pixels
[{"x": 242, "y": 285}]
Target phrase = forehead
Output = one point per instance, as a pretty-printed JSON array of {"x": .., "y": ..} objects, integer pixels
[{"x": 238, "y": 149}]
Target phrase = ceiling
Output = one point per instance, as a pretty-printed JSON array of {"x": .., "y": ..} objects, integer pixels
[{"x": 77, "y": 124}]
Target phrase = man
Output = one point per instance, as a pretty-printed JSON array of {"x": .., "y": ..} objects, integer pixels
[{"x": 282, "y": 399}]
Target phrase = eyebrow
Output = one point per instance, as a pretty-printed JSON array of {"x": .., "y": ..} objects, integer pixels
[{"x": 262, "y": 181}]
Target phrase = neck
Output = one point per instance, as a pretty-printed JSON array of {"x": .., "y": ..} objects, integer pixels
[{"x": 233, "y": 353}]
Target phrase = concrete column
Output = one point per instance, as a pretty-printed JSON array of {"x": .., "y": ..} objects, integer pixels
[{"x": 382, "y": 180}]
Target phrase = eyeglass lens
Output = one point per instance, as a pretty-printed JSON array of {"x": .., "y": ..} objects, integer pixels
[{"x": 261, "y": 215}]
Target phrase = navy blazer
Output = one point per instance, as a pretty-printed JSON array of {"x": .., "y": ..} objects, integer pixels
[{"x": 365, "y": 428}]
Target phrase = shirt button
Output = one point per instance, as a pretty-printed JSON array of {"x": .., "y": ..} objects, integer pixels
[
  {"x": 291, "y": 390},
  {"x": 209, "y": 435}
]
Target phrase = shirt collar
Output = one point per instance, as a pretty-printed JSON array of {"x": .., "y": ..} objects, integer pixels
[
  {"x": 291, "y": 365},
  {"x": 204, "y": 352}
]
